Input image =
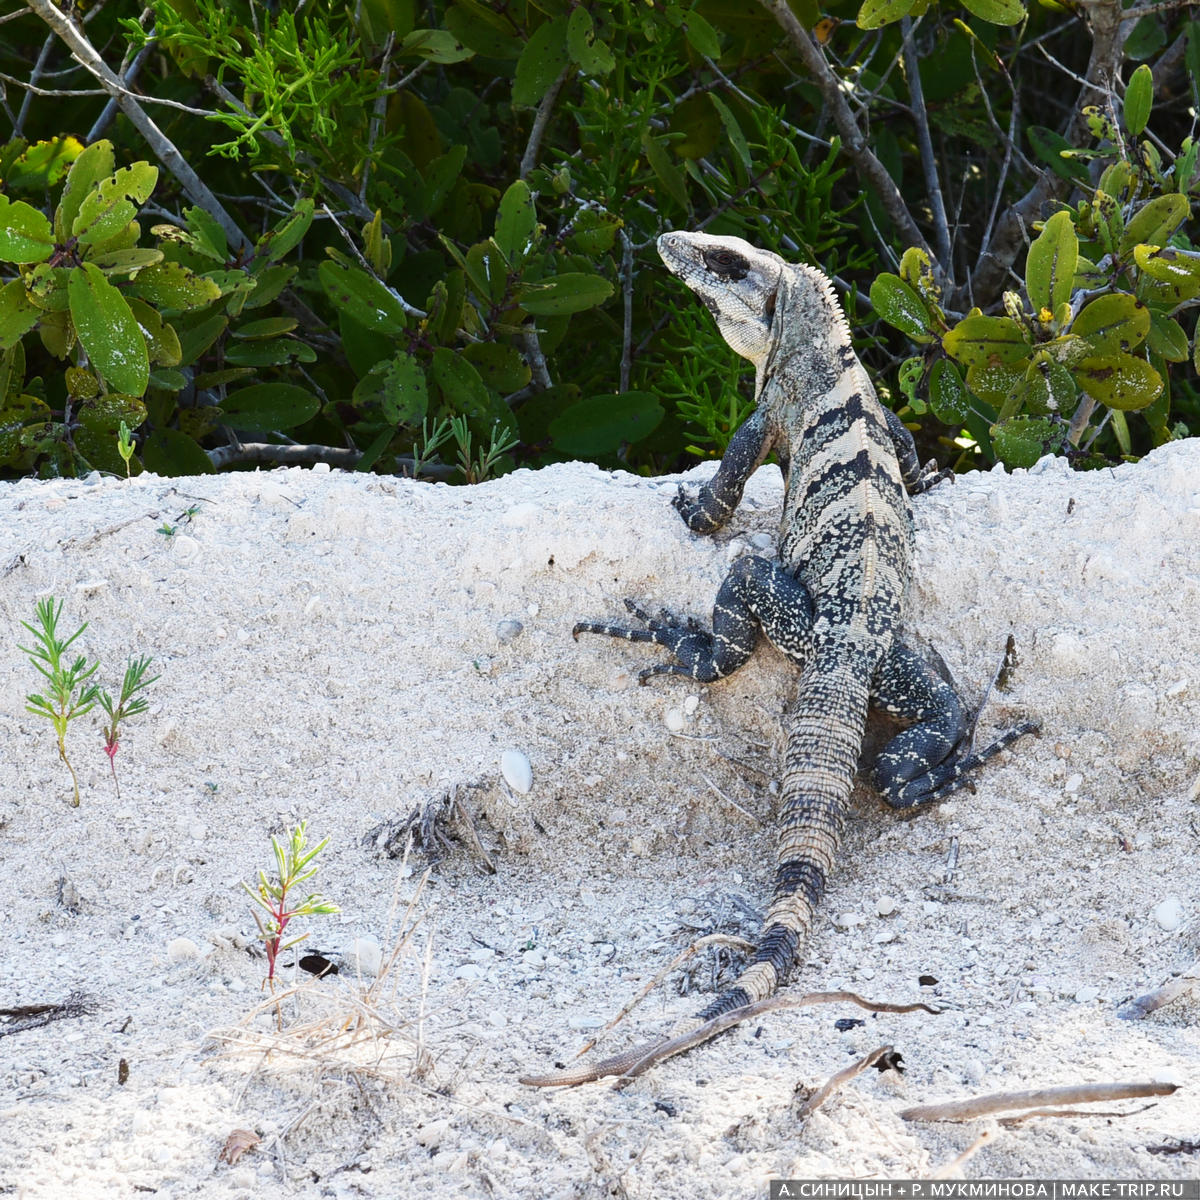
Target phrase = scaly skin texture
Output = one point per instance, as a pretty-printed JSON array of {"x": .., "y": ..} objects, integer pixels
[{"x": 833, "y": 601}]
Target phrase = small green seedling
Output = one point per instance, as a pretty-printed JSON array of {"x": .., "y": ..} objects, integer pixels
[
  {"x": 292, "y": 867},
  {"x": 125, "y": 445},
  {"x": 70, "y": 694},
  {"x": 130, "y": 704}
]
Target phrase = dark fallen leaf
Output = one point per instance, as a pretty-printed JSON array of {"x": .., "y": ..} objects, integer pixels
[
  {"x": 317, "y": 964},
  {"x": 665, "y": 1106},
  {"x": 891, "y": 1061},
  {"x": 122, "y": 1072},
  {"x": 842, "y": 1024},
  {"x": 1179, "y": 1148},
  {"x": 927, "y": 980}
]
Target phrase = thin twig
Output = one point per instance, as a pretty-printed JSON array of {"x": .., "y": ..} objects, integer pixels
[
  {"x": 540, "y": 120},
  {"x": 627, "y": 295},
  {"x": 948, "y": 1170},
  {"x": 838, "y": 1081},
  {"x": 933, "y": 186},
  {"x": 873, "y": 174},
  {"x": 165, "y": 150},
  {"x": 43, "y": 54},
  {"x": 1143, "y": 1006},
  {"x": 1082, "y": 1093}
]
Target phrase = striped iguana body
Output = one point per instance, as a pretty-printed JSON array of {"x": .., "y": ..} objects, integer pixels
[{"x": 833, "y": 601}]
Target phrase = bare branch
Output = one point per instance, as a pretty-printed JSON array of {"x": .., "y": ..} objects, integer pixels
[
  {"x": 941, "y": 228},
  {"x": 541, "y": 119},
  {"x": 164, "y": 149},
  {"x": 1081, "y": 1093},
  {"x": 872, "y": 173},
  {"x": 843, "y": 1077},
  {"x": 299, "y": 456}
]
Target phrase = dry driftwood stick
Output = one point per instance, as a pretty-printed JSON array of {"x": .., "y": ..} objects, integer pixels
[
  {"x": 1143, "y": 1006},
  {"x": 843, "y": 1077},
  {"x": 1081, "y": 1093},
  {"x": 1107, "y": 1113},
  {"x": 659, "y": 1051}
]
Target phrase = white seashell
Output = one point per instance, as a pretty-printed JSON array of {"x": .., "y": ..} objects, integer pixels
[
  {"x": 364, "y": 956},
  {"x": 182, "y": 949},
  {"x": 517, "y": 772},
  {"x": 1168, "y": 912}
]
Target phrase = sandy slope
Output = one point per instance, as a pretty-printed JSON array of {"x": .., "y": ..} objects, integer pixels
[{"x": 343, "y": 649}]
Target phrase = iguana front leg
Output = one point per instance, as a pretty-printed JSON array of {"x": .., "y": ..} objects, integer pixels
[
  {"x": 713, "y": 505},
  {"x": 756, "y": 594},
  {"x": 917, "y": 478}
]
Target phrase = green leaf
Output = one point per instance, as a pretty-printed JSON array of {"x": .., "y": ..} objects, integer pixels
[
  {"x": 286, "y": 236},
  {"x": 541, "y": 63},
  {"x": 1049, "y": 387},
  {"x": 1020, "y": 442},
  {"x": 172, "y": 285},
  {"x": 1000, "y": 384},
  {"x": 901, "y": 307},
  {"x": 161, "y": 339},
  {"x": 1050, "y": 264},
  {"x": 1139, "y": 96},
  {"x": 1180, "y": 273},
  {"x": 17, "y": 315},
  {"x": 169, "y": 452},
  {"x": 267, "y": 327},
  {"x": 195, "y": 340},
  {"x": 996, "y": 12},
  {"x": 602, "y": 424},
  {"x": 462, "y": 388},
  {"x": 978, "y": 341},
  {"x": 398, "y": 386},
  {"x": 268, "y": 283},
  {"x": 271, "y": 352},
  {"x": 1119, "y": 380},
  {"x": 108, "y": 331},
  {"x": 42, "y": 165},
  {"x": 267, "y": 406},
  {"x": 1112, "y": 323},
  {"x": 593, "y": 233},
  {"x": 207, "y": 236},
  {"x": 667, "y": 173},
  {"x": 362, "y": 297},
  {"x": 436, "y": 45},
  {"x": 500, "y": 367},
  {"x": 701, "y": 36},
  {"x": 737, "y": 139},
  {"x": 126, "y": 262},
  {"x": 593, "y": 57},
  {"x": 568, "y": 293},
  {"x": 948, "y": 395},
  {"x": 109, "y": 207},
  {"x": 1167, "y": 338},
  {"x": 874, "y": 14},
  {"x": 440, "y": 176},
  {"x": 516, "y": 220},
  {"x": 94, "y": 164},
  {"x": 1048, "y": 145},
  {"x": 1155, "y": 221},
  {"x": 25, "y": 233}
]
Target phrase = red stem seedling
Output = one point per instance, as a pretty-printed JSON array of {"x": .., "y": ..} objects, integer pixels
[
  {"x": 293, "y": 864},
  {"x": 129, "y": 705},
  {"x": 69, "y": 694}
]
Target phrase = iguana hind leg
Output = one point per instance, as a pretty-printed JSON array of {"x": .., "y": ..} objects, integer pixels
[
  {"x": 757, "y": 593},
  {"x": 926, "y": 762}
]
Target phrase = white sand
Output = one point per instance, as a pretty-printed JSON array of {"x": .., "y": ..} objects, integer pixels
[{"x": 329, "y": 650}]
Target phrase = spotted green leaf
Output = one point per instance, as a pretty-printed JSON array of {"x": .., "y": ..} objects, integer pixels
[
  {"x": 1050, "y": 265},
  {"x": 981, "y": 340},
  {"x": 1167, "y": 338},
  {"x": 542, "y": 60},
  {"x": 361, "y": 297},
  {"x": 1021, "y": 441},
  {"x": 25, "y": 233},
  {"x": 94, "y": 164},
  {"x": 17, "y": 314},
  {"x": 593, "y": 56},
  {"x": 1155, "y": 221},
  {"x": 901, "y": 307},
  {"x": 172, "y": 285},
  {"x": 399, "y": 387},
  {"x": 667, "y": 173},
  {"x": 516, "y": 220},
  {"x": 948, "y": 395},
  {"x": 109, "y": 207},
  {"x": 108, "y": 331},
  {"x": 500, "y": 367},
  {"x": 1112, "y": 323},
  {"x": 602, "y": 424},
  {"x": 436, "y": 45},
  {"x": 874, "y": 14},
  {"x": 1119, "y": 381}
]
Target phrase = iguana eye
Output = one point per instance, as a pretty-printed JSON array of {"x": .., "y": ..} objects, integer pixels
[{"x": 726, "y": 262}]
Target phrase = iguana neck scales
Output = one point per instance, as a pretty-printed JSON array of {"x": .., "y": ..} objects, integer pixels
[{"x": 833, "y": 601}]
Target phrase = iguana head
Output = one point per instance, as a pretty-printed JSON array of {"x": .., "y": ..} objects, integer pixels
[{"x": 737, "y": 282}]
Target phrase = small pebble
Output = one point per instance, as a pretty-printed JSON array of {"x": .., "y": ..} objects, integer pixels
[
  {"x": 182, "y": 949},
  {"x": 583, "y": 1022},
  {"x": 1086, "y": 995},
  {"x": 1168, "y": 912},
  {"x": 886, "y": 906},
  {"x": 675, "y": 720},
  {"x": 690, "y": 705},
  {"x": 432, "y": 1135},
  {"x": 364, "y": 956},
  {"x": 847, "y": 920},
  {"x": 1073, "y": 782},
  {"x": 507, "y": 631},
  {"x": 517, "y": 771}
]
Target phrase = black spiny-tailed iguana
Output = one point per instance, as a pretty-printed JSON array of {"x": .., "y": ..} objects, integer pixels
[{"x": 834, "y": 600}]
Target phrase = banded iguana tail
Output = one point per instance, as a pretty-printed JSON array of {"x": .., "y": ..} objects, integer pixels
[{"x": 834, "y": 600}]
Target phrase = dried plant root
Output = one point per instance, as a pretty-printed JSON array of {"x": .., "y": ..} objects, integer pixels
[{"x": 986, "y": 1106}]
